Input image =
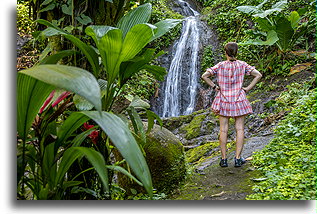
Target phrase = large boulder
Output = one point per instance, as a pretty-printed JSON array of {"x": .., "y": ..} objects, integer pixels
[{"x": 166, "y": 160}]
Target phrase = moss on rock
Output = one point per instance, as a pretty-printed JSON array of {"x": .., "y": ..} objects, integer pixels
[
  {"x": 166, "y": 159},
  {"x": 193, "y": 129},
  {"x": 197, "y": 153},
  {"x": 174, "y": 122}
]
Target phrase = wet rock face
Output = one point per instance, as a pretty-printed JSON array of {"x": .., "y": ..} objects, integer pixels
[
  {"x": 21, "y": 41},
  {"x": 190, "y": 93}
]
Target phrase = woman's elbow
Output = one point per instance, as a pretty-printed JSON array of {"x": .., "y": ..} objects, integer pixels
[
  {"x": 259, "y": 76},
  {"x": 204, "y": 76}
]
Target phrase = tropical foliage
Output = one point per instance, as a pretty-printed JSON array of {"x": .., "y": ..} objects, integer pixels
[
  {"x": 288, "y": 163},
  {"x": 48, "y": 149},
  {"x": 268, "y": 31},
  {"x": 81, "y": 107}
]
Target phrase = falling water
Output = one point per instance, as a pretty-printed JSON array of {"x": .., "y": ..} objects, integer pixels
[{"x": 183, "y": 70}]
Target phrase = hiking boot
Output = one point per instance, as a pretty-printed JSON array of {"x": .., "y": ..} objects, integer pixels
[
  {"x": 239, "y": 162},
  {"x": 223, "y": 163}
]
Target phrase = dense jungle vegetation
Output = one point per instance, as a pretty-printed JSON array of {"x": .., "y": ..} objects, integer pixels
[{"x": 87, "y": 64}]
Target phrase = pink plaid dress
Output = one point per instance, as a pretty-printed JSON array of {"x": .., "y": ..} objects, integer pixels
[{"x": 231, "y": 100}]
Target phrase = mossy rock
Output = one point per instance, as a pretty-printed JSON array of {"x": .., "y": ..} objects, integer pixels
[
  {"x": 165, "y": 158},
  {"x": 198, "y": 152},
  {"x": 193, "y": 129},
  {"x": 173, "y": 123}
]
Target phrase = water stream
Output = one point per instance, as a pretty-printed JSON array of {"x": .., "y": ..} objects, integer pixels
[
  {"x": 181, "y": 93},
  {"x": 183, "y": 70}
]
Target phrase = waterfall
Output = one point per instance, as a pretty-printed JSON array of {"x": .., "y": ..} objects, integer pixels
[{"x": 182, "y": 79}]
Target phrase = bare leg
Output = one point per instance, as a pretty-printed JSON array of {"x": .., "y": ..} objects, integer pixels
[
  {"x": 239, "y": 123},
  {"x": 224, "y": 123}
]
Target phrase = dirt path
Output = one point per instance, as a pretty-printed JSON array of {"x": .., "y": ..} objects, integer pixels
[{"x": 212, "y": 182}]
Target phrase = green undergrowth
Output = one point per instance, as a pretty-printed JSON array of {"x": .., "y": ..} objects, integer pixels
[
  {"x": 288, "y": 163},
  {"x": 24, "y": 25},
  {"x": 231, "y": 25},
  {"x": 161, "y": 10}
]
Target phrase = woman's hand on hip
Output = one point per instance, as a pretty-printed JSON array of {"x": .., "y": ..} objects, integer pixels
[{"x": 245, "y": 89}]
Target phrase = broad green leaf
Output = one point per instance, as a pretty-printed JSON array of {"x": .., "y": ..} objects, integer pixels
[
  {"x": 83, "y": 19},
  {"x": 69, "y": 78},
  {"x": 46, "y": 23},
  {"x": 89, "y": 52},
  {"x": 49, "y": 165},
  {"x": 157, "y": 71},
  {"x": 248, "y": 9},
  {"x": 110, "y": 46},
  {"x": 82, "y": 104},
  {"x": 284, "y": 32},
  {"x": 46, "y": 2},
  {"x": 81, "y": 137},
  {"x": 53, "y": 59},
  {"x": 164, "y": 26},
  {"x": 125, "y": 172},
  {"x": 151, "y": 117},
  {"x": 267, "y": 12},
  {"x": 137, "y": 124},
  {"x": 281, "y": 4},
  {"x": 294, "y": 18},
  {"x": 136, "y": 39},
  {"x": 31, "y": 94},
  {"x": 259, "y": 6},
  {"x": 51, "y": 31},
  {"x": 131, "y": 67},
  {"x": 67, "y": 9},
  {"x": 78, "y": 189},
  {"x": 137, "y": 102},
  {"x": 71, "y": 124},
  {"x": 45, "y": 52},
  {"x": 103, "y": 86},
  {"x": 94, "y": 157},
  {"x": 270, "y": 40},
  {"x": 47, "y": 8},
  {"x": 264, "y": 24},
  {"x": 122, "y": 138},
  {"x": 302, "y": 11},
  {"x": 68, "y": 184},
  {"x": 139, "y": 15},
  {"x": 97, "y": 31}
]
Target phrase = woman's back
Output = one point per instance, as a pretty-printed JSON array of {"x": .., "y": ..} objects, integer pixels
[{"x": 230, "y": 77}]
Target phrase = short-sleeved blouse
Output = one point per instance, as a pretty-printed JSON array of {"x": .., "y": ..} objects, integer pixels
[{"x": 231, "y": 100}]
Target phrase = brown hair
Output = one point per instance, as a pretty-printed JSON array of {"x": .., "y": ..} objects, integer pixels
[{"x": 231, "y": 50}]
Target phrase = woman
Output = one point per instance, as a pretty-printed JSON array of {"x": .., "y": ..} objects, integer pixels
[{"x": 231, "y": 100}]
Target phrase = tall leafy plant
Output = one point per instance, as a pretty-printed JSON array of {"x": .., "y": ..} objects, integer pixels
[
  {"x": 47, "y": 163},
  {"x": 47, "y": 150},
  {"x": 280, "y": 30},
  {"x": 121, "y": 48}
]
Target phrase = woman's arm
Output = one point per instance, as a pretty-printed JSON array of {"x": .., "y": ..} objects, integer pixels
[
  {"x": 205, "y": 77},
  {"x": 257, "y": 76}
]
